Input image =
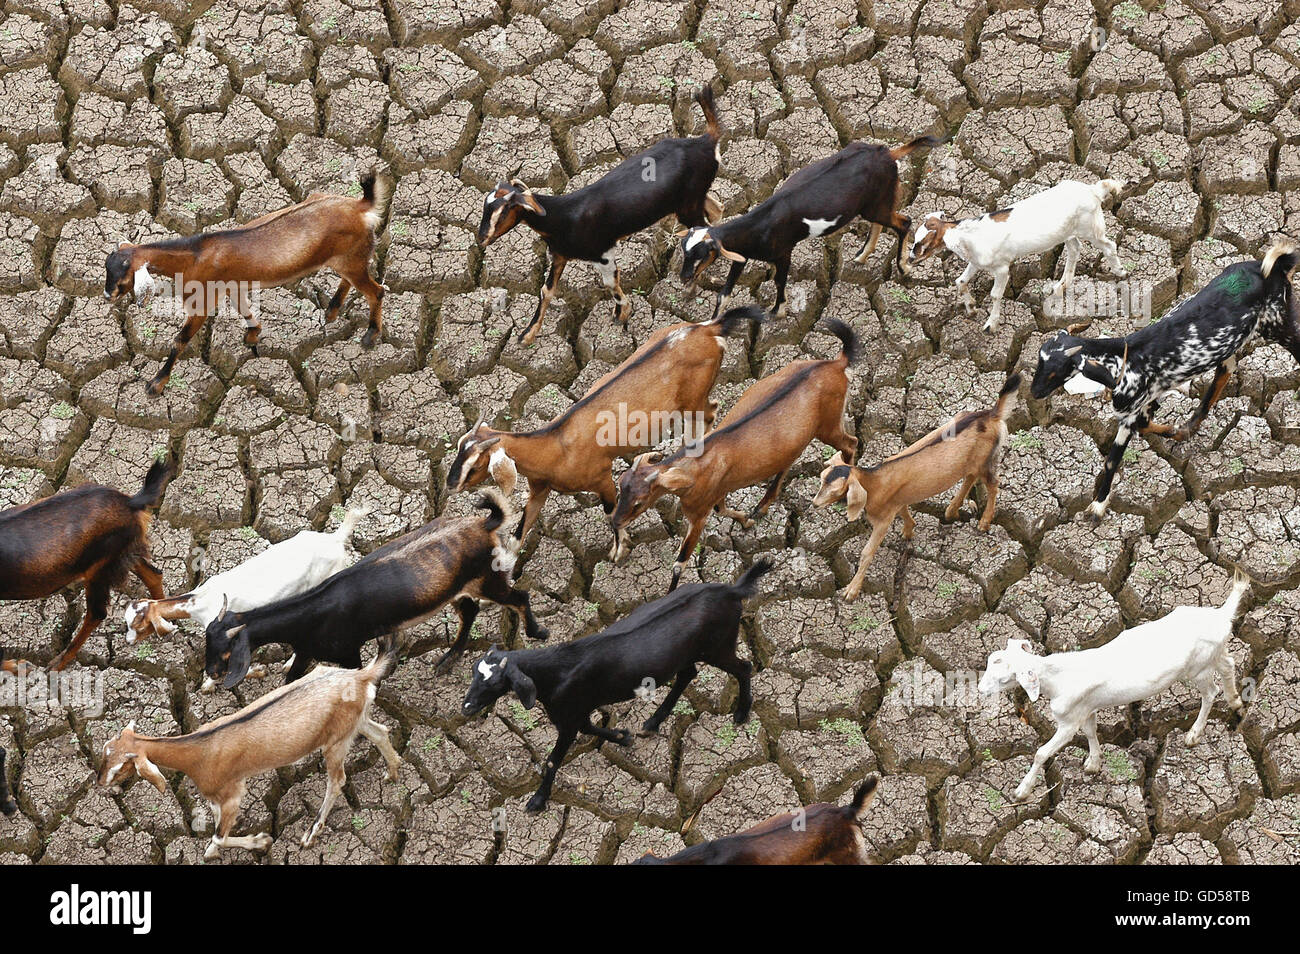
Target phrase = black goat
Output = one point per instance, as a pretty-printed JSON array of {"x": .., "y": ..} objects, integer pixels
[
  {"x": 400, "y": 584},
  {"x": 672, "y": 176},
  {"x": 859, "y": 181},
  {"x": 7, "y": 804},
  {"x": 659, "y": 641},
  {"x": 1202, "y": 332}
]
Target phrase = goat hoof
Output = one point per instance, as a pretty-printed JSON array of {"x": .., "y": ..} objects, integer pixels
[
  {"x": 624, "y": 737},
  {"x": 535, "y": 805},
  {"x": 155, "y": 387},
  {"x": 851, "y": 594},
  {"x": 1092, "y": 767},
  {"x": 8, "y": 808},
  {"x": 540, "y": 634},
  {"x": 369, "y": 338},
  {"x": 649, "y": 728}
]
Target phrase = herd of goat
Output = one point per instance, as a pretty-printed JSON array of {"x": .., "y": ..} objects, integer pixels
[{"x": 303, "y": 594}]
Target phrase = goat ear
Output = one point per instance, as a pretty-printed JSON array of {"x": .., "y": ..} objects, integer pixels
[
  {"x": 674, "y": 478},
  {"x": 1028, "y": 678},
  {"x": 1071, "y": 352},
  {"x": 857, "y": 499},
  {"x": 524, "y": 687},
  {"x": 241, "y": 657},
  {"x": 731, "y": 256},
  {"x": 149, "y": 772},
  {"x": 502, "y": 469},
  {"x": 1092, "y": 370}
]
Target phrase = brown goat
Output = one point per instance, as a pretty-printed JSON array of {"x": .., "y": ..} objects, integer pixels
[
  {"x": 967, "y": 447},
  {"x": 666, "y": 380},
  {"x": 325, "y": 710},
  {"x": 821, "y": 834},
  {"x": 323, "y": 231},
  {"x": 759, "y": 439},
  {"x": 93, "y": 534}
]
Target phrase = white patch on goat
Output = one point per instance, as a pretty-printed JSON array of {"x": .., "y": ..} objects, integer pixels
[
  {"x": 505, "y": 559},
  {"x": 677, "y": 335},
  {"x": 485, "y": 669},
  {"x": 144, "y": 282},
  {"x": 696, "y": 236},
  {"x": 818, "y": 227},
  {"x": 1080, "y": 384}
]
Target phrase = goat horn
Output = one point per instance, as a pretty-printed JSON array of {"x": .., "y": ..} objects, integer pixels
[
  {"x": 235, "y": 630},
  {"x": 225, "y": 602}
]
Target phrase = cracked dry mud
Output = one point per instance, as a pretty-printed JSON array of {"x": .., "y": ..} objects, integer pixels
[{"x": 138, "y": 120}]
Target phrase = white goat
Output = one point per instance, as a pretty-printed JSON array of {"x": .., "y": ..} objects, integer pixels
[
  {"x": 286, "y": 569},
  {"x": 1189, "y": 646},
  {"x": 1067, "y": 212},
  {"x": 323, "y": 710}
]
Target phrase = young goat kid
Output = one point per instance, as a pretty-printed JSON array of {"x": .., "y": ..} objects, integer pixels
[
  {"x": 323, "y": 231},
  {"x": 671, "y": 374},
  {"x": 1188, "y": 646},
  {"x": 672, "y": 176},
  {"x": 859, "y": 181},
  {"x": 93, "y": 534},
  {"x": 663, "y": 640},
  {"x": 1205, "y": 331},
  {"x": 758, "y": 440},
  {"x": 325, "y": 711},
  {"x": 1068, "y": 212},
  {"x": 400, "y": 584},
  {"x": 968, "y": 447},
  {"x": 286, "y": 569},
  {"x": 824, "y": 834}
]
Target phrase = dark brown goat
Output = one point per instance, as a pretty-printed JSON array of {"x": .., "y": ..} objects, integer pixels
[
  {"x": 821, "y": 834},
  {"x": 93, "y": 534}
]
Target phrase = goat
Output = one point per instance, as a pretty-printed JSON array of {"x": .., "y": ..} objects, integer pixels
[
  {"x": 323, "y": 231},
  {"x": 92, "y": 534},
  {"x": 821, "y": 834},
  {"x": 7, "y": 804},
  {"x": 286, "y": 569},
  {"x": 672, "y": 176},
  {"x": 758, "y": 440},
  {"x": 654, "y": 643},
  {"x": 667, "y": 379},
  {"x": 1068, "y": 212},
  {"x": 1188, "y": 646},
  {"x": 324, "y": 711},
  {"x": 968, "y": 447},
  {"x": 398, "y": 585},
  {"x": 859, "y": 181},
  {"x": 1206, "y": 330}
]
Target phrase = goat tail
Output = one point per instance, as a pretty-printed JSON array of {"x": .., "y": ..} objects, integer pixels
[
  {"x": 350, "y": 521},
  {"x": 385, "y": 661},
  {"x": 705, "y": 98},
  {"x": 1007, "y": 397},
  {"x": 848, "y": 338},
  {"x": 154, "y": 482},
  {"x": 862, "y": 798},
  {"x": 1109, "y": 187},
  {"x": 1240, "y": 584},
  {"x": 731, "y": 319},
  {"x": 920, "y": 142},
  {"x": 498, "y": 508},
  {"x": 747, "y": 585},
  {"x": 1282, "y": 253},
  {"x": 375, "y": 192}
]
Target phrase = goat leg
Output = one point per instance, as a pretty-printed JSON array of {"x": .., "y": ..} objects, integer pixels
[
  {"x": 1212, "y": 395},
  {"x": 336, "y": 303},
  {"x": 724, "y": 296},
  {"x": 620, "y": 736},
  {"x": 1209, "y": 689},
  {"x": 680, "y": 682},
  {"x": 96, "y": 613},
  {"x": 377, "y": 733},
  {"x": 782, "y": 276},
  {"x": 564, "y": 739},
  {"x": 688, "y": 547},
  {"x": 1064, "y": 733},
  {"x": 334, "y": 779},
  {"x": 865, "y": 252},
  {"x": 955, "y": 507},
  {"x": 529, "y": 334},
  {"x": 1093, "y": 764},
  {"x": 1114, "y": 457},
  {"x": 773, "y": 491},
  {"x": 878, "y": 532},
  {"x": 467, "y": 609},
  {"x": 188, "y": 330}
]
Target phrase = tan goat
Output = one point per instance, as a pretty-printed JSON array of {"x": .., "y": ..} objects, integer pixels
[
  {"x": 967, "y": 448},
  {"x": 759, "y": 440},
  {"x": 323, "y": 710}
]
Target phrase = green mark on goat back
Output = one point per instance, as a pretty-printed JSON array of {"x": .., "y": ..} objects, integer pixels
[{"x": 1233, "y": 284}]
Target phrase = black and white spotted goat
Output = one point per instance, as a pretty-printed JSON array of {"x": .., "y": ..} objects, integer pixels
[
  {"x": 672, "y": 176},
  {"x": 1202, "y": 332}
]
